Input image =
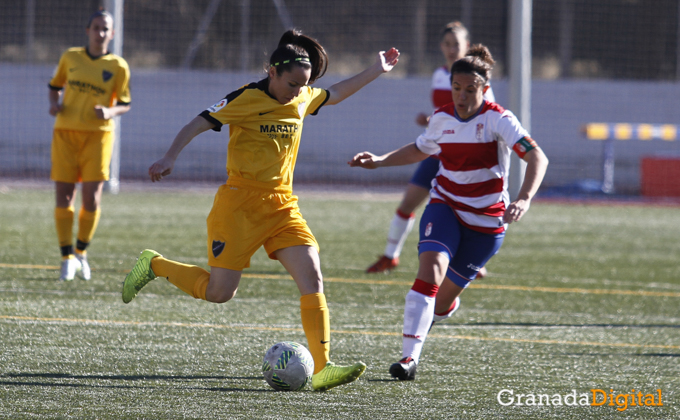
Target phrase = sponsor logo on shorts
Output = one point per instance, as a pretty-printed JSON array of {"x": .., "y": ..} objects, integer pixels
[
  {"x": 473, "y": 267},
  {"x": 428, "y": 229},
  {"x": 217, "y": 248}
]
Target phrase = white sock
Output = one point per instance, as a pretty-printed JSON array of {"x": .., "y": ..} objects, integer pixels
[
  {"x": 418, "y": 314},
  {"x": 400, "y": 227}
]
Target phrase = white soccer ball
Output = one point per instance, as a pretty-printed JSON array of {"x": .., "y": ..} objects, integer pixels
[{"x": 288, "y": 366}]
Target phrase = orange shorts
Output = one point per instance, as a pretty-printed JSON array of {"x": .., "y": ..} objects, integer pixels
[
  {"x": 244, "y": 219},
  {"x": 81, "y": 155}
]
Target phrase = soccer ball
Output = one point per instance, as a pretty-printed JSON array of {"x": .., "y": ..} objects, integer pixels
[{"x": 288, "y": 366}]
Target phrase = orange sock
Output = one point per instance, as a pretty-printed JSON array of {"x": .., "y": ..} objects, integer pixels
[
  {"x": 317, "y": 325},
  {"x": 190, "y": 279},
  {"x": 63, "y": 218},
  {"x": 87, "y": 224}
]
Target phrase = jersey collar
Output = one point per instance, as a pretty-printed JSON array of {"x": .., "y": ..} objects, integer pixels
[
  {"x": 87, "y": 51},
  {"x": 455, "y": 113},
  {"x": 263, "y": 85}
]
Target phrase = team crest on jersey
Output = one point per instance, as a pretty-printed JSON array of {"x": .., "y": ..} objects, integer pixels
[
  {"x": 217, "y": 248},
  {"x": 218, "y": 106},
  {"x": 428, "y": 229},
  {"x": 480, "y": 132},
  {"x": 106, "y": 75},
  {"x": 301, "y": 109}
]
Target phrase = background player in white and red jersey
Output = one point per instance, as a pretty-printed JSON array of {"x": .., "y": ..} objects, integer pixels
[
  {"x": 454, "y": 45},
  {"x": 464, "y": 223}
]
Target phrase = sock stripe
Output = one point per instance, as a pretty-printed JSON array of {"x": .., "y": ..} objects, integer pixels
[
  {"x": 404, "y": 215},
  {"x": 425, "y": 288}
]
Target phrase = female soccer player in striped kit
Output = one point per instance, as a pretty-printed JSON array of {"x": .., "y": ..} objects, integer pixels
[
  {"x": 454, "y": 45},
  {"x": 96, "y": 89},
  {"x": 464, "y": 223},
  {"x": 256, "y": 206}
]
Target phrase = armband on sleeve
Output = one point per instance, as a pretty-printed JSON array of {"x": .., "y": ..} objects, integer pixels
[{"x": 524, "y": 145}]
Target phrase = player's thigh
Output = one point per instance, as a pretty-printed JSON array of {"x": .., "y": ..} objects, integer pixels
[
  {"x": 237, "y": 227},
  {"x": 95, "y": 157},
  {"x": 475, "y": 250},
  {"x": 65, "y": 150},
  {"x": 288, "y": 227},
  {"x": 439, "y": 230},
  {"x": 303, "y": 264}
]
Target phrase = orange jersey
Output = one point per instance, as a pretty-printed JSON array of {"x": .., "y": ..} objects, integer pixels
[
  {"x": 88, "y": 82},
  {"x": 264, "y": 134}
]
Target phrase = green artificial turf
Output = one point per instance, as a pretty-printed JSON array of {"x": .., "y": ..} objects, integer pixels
[{"x": 580, "y": 297}]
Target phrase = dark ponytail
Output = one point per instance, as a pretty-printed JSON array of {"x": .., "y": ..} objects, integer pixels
[
  {"x": 298, "y": 49},
  {"x": 478, "y": 61}
]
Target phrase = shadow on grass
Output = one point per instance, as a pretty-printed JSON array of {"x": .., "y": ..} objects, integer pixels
[
  {"x": 132, "y": 378},
  {"x": 126, "y": 377}
]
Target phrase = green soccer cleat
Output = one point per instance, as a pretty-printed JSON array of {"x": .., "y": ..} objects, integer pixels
[
  {"x": 332, "y": 376},
  {"x": 140, "y": 275}
]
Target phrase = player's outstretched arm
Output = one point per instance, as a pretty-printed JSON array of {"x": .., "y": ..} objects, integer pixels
[
  {"x": 342, "y": 90},
  {"x": 403, "y": 156},
  {"x": 537, "y": 164},
  {"x": 164, "y": 165}
]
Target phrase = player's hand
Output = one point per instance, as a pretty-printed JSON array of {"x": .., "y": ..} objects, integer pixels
[
  {"x": 422, "y": 119},
  {"x": 160, "y": 168},
  {"x": 388, "y": 59},
  {"x": 55, "y": 109},
  {"x": 102, "y": 112},
  {"x": 516, "y": 210},
  {"x": 364, "y": 160}
]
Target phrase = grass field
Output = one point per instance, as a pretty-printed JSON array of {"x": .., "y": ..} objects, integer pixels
[{"x": 580, "y": 297}]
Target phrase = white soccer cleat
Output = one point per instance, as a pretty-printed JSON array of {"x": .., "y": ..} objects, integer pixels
[
  {"x": 69, "y": 267},
  {"x": 84, "y": 272}
]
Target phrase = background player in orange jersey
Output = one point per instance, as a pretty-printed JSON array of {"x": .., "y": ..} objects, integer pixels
[{"x": 90, "y": 86}]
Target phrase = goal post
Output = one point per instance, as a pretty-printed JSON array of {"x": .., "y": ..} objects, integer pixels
[
  {"x": 115, "y": 7},
  {"x": 520, "y": 81}
]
